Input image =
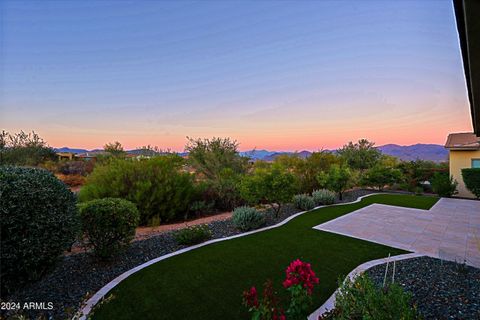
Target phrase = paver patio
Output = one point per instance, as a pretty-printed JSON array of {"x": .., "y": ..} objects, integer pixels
[{"x": 450, "y": 230}]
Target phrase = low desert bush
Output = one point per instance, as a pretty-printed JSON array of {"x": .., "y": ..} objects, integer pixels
[
  {"x": 75, "y": 167},
  {"x": 443, "y": 185},
  {"x": 108, "y": 224},
  {"x": 247, "y": 218},
  {"x": 38, "y": 219},
  {"x": 201, "y": 207},
  {"x": 159, "y": 187},
  {"x": 323, "y": 197},
  {"x": 361, "y": 299},
  {"x": 193, "y": 234},
  {"x": 303, "y": 202},
  {"x": 71, "y": 180}
]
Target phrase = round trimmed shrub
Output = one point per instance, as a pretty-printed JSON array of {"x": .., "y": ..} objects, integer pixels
[
  {"x": 303, "y": 202},
  {"x": 323, "y": 196},
  {"x": 247, "y": 218},
  {"x": 38, "y": 220},
  {"x": 109, "y": 224}
]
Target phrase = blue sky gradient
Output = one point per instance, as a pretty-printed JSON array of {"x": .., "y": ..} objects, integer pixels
[{"x": 273, "y": 74}]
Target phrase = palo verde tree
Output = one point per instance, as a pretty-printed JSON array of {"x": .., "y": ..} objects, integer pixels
[
  {"x": 210, "y": 157},
  {"x": 219, "y": 166},
  {"x": 338, "y": 178},
  {"x": 360, "y": 155},
  {"x": 379, "y": 176},
  {"x": 273, "y": 185},
  {"x": 24, "y": 149},
  {"x": 115, "y": 149}
]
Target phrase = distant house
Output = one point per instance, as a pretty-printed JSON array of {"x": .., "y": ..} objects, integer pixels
[
  {"x": 464, "y": 152},
  {"x": 90, "y": 155},
  {"x": 65, "y": 155}
]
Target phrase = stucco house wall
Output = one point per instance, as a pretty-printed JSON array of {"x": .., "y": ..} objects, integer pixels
[{"x": 460, "y": 159}]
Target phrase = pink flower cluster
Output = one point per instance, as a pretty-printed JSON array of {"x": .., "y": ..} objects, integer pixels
[
  {"x": 267, "y": 308},
  {"x": 300, "y": 273},
  {"x": 250, "y": 297}
]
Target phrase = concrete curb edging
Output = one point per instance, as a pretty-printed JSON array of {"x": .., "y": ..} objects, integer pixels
[
  {"x": 330, "y": 303},
  {"x": 84, "y": 311}
]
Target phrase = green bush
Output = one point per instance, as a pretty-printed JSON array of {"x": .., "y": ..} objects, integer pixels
[
  {"x": 379, "y": 176},
  {"x": 363, "y": 300},
  {"x": 109, "y": 224},
  {"x": 471, "y": 177},
  {"x": 247, "y": 218},
  {"x": 38, "y": 219},
  {"x": 159, "y": 187},
  {"x": 193, "y": 234},
  {"x": 338, "y": 178},
  {"x": 24, "y": 149},
  {"x": 303, "y": 202},
  {"x": 443, "y": 185},
  {"x": 323, "y": 196},
  {"x": 274, "y": 185}
]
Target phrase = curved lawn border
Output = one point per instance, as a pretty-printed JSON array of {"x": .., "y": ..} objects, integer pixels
[
  {"x": 84, "y": 311},
  {"x": 330, "y": 303}
]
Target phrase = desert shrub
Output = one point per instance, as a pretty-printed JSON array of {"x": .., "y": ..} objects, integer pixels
[
  {"x": 363, "y": 300},
  {"x": 247, "y": 218},
  {"x": 193, "y": 234},
  {"x": 223, "y": 191},
  {"x": 24, "y": 149},
  {"x": 418, "y": 171},
  {"x": 338, "y": 178},
  {"x": 273, "y": 185},
  {"x": 72, "y": 180},
  {"x": 38, "y": 219},
  {"x": 159, "y": 187},
  {"x": 219, "y": 165},
  {"x": 418, "y": 191},
  {"x": 76, "y": 167},
  {"x": 360, "y": 155},
  {"x": 379, "y": 176},
  {"x": 471, "y": 177},
  {"x": 201, "y": 207},
  {"x": 443, "y": 185},
  {"x": 303, "y": 202},
  {"x": 109, "y": 224},
  {"x": 323, "y": 196}
]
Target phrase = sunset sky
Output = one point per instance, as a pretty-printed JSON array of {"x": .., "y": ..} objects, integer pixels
[{"x": 274, "y": 75}]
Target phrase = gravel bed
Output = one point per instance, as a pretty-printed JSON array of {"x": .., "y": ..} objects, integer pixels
[
  {"x": 440, "y": 289},
  {"x": 78, "y": 276}
]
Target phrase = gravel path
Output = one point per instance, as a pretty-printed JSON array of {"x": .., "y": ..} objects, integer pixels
[
  {"x": 440, "y": 289},
  {"x": 78, "y": 276}
]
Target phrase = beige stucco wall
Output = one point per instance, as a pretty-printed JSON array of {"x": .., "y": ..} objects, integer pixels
[{"x": 459, "y": 160}]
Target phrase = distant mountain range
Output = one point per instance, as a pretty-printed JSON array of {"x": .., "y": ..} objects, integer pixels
[{"x": 432, "y": 152}]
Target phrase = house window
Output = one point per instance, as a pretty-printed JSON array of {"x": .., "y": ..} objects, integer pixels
[{"x": 475, "y": 163}]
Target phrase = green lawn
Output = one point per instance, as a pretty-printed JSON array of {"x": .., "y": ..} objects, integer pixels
[{"x": 207, "y": 283}]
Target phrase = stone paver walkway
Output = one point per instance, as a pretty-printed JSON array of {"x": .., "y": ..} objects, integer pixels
[{"x": 450, "y": 230}]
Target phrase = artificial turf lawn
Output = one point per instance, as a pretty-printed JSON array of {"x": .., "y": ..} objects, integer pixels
[{"x": 207, "y": 283}]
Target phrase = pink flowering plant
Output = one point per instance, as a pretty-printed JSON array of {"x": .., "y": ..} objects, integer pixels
[
  {"x": 300, "y": 281},
  {"x": 267, "y": 308}
]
